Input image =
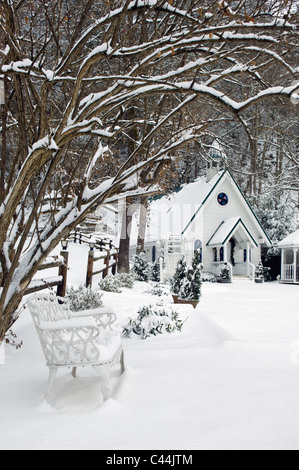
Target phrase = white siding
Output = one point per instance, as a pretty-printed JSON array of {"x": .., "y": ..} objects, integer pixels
[{"x": 213, "y": 214}]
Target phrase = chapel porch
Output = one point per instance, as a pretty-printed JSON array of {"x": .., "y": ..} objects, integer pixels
[
  {"x": 290, "y": 259},
  {"x": 232, "y": 244}
]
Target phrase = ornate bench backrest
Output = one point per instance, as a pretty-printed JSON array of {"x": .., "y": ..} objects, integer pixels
[
  {"x": 62, "y": 345},
  {"x": 48, "y": 308}
]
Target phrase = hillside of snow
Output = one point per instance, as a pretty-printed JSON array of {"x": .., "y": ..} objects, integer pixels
[{"x": 229, "y": 380}]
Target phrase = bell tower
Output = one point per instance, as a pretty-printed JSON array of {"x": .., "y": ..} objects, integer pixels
[{"x": 215, "y": 161}]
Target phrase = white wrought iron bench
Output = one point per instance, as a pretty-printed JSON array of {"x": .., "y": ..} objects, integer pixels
[{"x": 73, "y": 340}]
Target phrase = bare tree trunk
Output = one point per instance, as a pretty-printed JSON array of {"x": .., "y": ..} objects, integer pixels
[
  {"x": 142, "y": 225},
  {"x": 124, "y": 245}
]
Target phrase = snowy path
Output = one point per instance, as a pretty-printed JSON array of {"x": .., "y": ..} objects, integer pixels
[{"x": 225, "y": 382}]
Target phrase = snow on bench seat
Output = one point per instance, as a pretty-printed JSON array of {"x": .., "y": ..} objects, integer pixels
[{"x": 78, "y": 339}]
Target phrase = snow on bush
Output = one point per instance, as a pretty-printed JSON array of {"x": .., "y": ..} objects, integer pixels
[
  {"x": 154, "y": 320},
  {"x": 115, "y": 283},
  {"x": 83, "y": 298},
  {"x": 191, "y": 287},
  {"x": 225, "y": 273},
  {"x": 158, "y": 290},
  {"x": 208, "y": 277},
  {"x": 156, "y": 272},
  {"x": 111, "y": 284},
  {"x": 179, "y": 276},
  {"x": 259, "y": 272},
  {"x": 126, "y": 280},
  {"x": 141, "y": 267}
]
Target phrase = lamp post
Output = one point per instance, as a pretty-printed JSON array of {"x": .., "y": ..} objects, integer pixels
[
  {"x": 61, "y": 290},
  {"x": 90, "y": 262}
]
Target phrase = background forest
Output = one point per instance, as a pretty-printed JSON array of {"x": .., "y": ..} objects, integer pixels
[{"x": 102, "y": 100}]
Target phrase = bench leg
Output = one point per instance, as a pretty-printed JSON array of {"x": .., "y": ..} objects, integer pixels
[
  {"x": 52, "y": 374},
  {"x": 122, "y": 362},
  {"x": 104, "y": 372},
  {"x": 74, "y": 372}
]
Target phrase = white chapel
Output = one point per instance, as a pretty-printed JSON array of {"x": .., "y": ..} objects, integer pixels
[{"x": 211, "y": 215}]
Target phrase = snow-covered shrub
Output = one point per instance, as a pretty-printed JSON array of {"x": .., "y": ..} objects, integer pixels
[
  {"x": 259, "y": 272},
  {"x": 83, "y": 298},
  {"x": 158, "y": 290},
  {"x": 208, "y": 277},
  {"x": 154, "y": 320},
  {"x": 141, "y": 267},
  {"x": 126, "y": 280},
  {"x": 155, "y": 272},
  {"x": 267, "y": 274},
  {"x": 179, "y": 276},
  {"x": 225, "y": 273},
  {"x": 111, "y": 284},
  {"x": 191, "y": 288}
]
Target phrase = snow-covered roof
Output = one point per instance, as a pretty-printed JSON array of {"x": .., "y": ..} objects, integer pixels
[
  {"x": 223, "y": 231},
  {"x": 290, "y": 241},
  {"x": 171, "y": 214},
  {"x": 227, "y": 229}
]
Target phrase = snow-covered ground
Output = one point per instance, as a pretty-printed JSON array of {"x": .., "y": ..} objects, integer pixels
[{"x": 229, "y": 380}]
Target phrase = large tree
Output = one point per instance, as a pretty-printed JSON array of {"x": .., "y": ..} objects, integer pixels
[{"x": 82, "y": 78}]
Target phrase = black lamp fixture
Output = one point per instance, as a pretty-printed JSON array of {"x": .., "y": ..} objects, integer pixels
[{"x": 64, "y": 244}]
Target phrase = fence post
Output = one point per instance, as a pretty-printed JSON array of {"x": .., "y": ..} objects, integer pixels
[
  {"x": 106, "y": 262},
  {"x": 90, "y": 262},
  {"x": 114, "y": 268},
  {"x": 61, "y": 289}
]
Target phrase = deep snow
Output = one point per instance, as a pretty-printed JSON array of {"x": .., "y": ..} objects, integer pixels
[{"x": 229, "y": 380}]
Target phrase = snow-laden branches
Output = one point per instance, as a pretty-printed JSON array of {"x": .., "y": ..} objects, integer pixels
[{"x": 99, "y": 98}]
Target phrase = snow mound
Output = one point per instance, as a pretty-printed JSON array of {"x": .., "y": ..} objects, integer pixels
[{"x": 205, "y": 331}]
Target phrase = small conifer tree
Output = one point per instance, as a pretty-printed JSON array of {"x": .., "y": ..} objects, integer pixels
[
  {"x": 156, "y": 272},
  {"x": 259, "y": 272},
  {"x": 191, "y": 288},
  {"x": 225, "y": 273},
  {"x": 179, "y": 276},
  {"x": 141, "y": 267}
]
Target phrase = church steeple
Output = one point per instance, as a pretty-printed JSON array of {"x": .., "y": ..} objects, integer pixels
[{"x": 215, "y": 161}]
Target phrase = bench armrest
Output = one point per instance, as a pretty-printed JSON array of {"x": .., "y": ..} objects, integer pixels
[
  {"x": 69, "y": 324},
  {"x": 103, "y": 317}
]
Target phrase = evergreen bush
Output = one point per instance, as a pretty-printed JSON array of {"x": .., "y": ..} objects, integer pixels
[
  {"x": 126, "y": 280},
  {"x": 259, "y": 272},
  {"x": 141, "y": 268},
  {"x": 111, "y": 284},
  {"x": 191, "y": 288},
  {"x": 225, "y": 273},
  {"x": 179, "y": 276},
  {"x": 83, "y": 298},
  {"x": 154, "y": 320},
  {"x": 156, "y": 272},
  {"x": 208, "y": 277},
  {"x": 158, "y": 290}
]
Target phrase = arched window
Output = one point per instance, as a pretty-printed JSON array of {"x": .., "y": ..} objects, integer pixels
[
  {"x": 198, "y": 247},
  {"x": 154, "y": 254},
  {"x": 222, "y": 253}
]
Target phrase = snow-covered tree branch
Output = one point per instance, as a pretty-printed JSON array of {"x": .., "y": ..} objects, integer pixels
[{"x": 81, "y": 78}]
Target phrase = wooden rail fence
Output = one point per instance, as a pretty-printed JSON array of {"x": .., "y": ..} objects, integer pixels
[
  {"x": 56, "y": 281},
  {"x": 102, "y": 259}
]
